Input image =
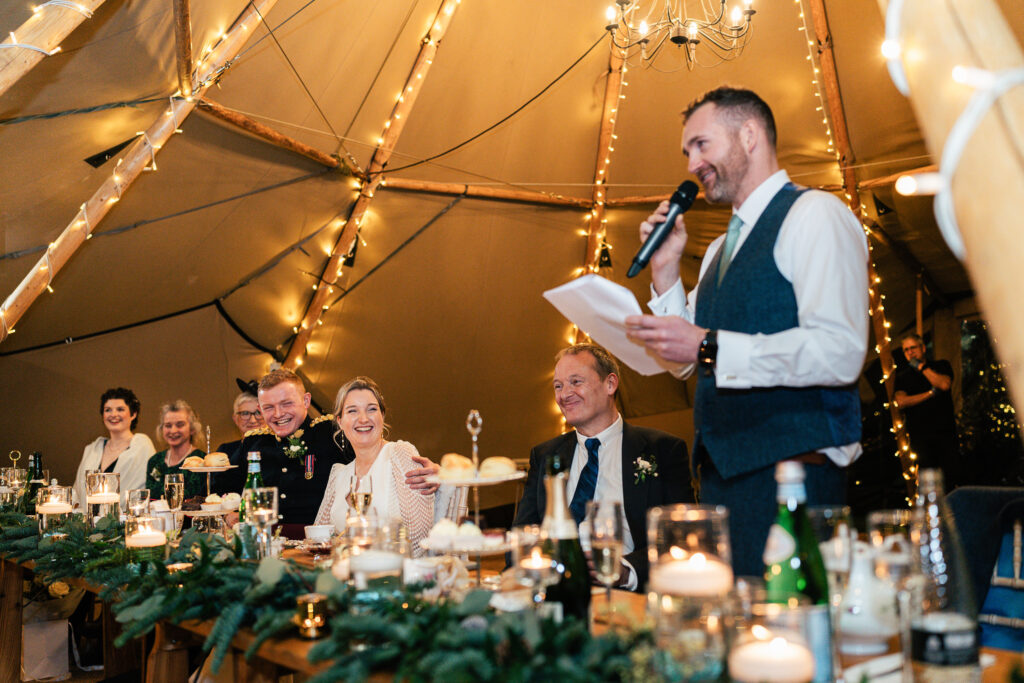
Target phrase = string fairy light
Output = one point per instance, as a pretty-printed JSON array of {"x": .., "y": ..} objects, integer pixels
[
  {"x": 8, "y": 331},
  {"x": 49, "y": 269},
  {"x": 25, "y": 46},
  {"x": 66, "y": 4}
]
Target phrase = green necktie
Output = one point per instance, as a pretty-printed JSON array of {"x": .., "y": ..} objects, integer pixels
[{"x": 731, "y": 236}]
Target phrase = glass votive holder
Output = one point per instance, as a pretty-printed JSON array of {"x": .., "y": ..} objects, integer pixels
[
  {"x": 311, "y": 615},
  {"x": 102, "y": 497},
  {"x": 144, "y": 539},
  {"x": 377, "y": 569},
  {"x": 53, "y": 508},
  {"x": 690, "y": 582},
  {"x": 772, "y": 643},
  {"x": 137, "y": 502}
]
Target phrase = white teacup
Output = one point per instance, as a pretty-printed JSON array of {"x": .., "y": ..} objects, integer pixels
[{"x": 319, "y": 533}]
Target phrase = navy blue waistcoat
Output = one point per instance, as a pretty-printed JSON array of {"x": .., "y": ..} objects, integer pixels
[{"x": 748, "y": 429}]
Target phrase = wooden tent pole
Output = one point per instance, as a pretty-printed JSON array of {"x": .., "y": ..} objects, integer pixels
[
  {"x": 265, "y": 132},
  {"x": 46, "y": 29},
  {"x": 183, "y": 45},
  {"x": 834, "y": 102},
  {"x": 596, "y": 230},
  {"x": 989, "y": 181},
  {"x": 919, "y": 306},
  {"x": 483, "y": 192},
  {"x": 385, "y": 146},
  {"x": 137, "y": 157}
]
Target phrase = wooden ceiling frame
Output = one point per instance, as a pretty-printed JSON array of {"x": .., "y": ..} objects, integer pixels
[
  {"x": 373, "y": 177},
  {"x": 183, "y": 46},
  {"x": 42, "y": 34},
  {"x": 138, "y": 156},
  {"x": 837, "y": 115}
]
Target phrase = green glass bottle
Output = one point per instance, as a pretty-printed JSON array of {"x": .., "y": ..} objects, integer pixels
[
  {"x": 253, "y": 480},
  {"x": 793, "y": 564},
  {"x": 571, "y": 594}
]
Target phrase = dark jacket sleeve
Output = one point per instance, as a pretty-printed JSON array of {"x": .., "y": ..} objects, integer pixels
[{"x": 528, "y": 511}]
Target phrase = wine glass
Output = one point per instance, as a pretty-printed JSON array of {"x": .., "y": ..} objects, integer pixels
[
  {"x": 138, "y": 502},
  {"x": 835, "y": 535},
  {"x": 893, "y": 559},
  {"x": 604, "y": 521},
  {"x": 360, "y": 494},
  {"x": 261, "y": 510}
]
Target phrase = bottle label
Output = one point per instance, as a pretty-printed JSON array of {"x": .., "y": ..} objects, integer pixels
[
  {"x": 944, "y": 648},
  {"x": 254, "y": 467},
  {"x": 780, "y": 546}
]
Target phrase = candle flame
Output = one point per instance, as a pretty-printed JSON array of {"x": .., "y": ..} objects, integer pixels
[
  {"x": 760, "y": 632},
  {"x": 677, "y": 553}
]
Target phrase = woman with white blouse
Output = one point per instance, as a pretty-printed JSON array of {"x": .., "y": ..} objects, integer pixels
[
  {"x": 379, "y": 466},
  {"x": 122, "y": 451}
]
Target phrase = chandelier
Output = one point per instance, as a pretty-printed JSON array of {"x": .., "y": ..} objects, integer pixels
[{"x": 696, "y": 31}]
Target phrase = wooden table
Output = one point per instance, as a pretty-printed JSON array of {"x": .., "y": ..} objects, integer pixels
[{"x": 167, "y": 661}]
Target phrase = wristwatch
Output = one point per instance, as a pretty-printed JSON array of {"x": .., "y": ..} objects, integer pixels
[{"x": 707, "y": 354}]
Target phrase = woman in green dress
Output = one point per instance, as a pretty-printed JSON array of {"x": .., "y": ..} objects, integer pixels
[{"x": 179, "y": 430}]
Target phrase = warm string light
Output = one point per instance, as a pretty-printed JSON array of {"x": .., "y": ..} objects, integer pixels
[
  {"x": 8, "y": 331},
  {"x": 49, "y": 269},
  {"x": 816, "y": 80},
  {"x": 25, "y": 46}
]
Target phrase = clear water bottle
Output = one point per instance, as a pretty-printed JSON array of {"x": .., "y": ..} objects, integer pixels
[{"x": 944, "y": 625}]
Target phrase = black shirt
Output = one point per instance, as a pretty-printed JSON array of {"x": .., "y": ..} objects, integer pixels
[{"x": 934, "y": 414}]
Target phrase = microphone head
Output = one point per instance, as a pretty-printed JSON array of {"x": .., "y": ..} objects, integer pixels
[{"x": 685, "y": 194}]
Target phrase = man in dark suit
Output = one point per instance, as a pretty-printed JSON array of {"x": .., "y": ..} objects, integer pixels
[{"x": 641, "y": 467}]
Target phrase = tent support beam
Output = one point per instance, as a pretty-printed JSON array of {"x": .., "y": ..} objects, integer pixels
[
  {"x": 265, "y": 132},
  {"x": 46, "y": 29},
  {"x": 834, "y": 102},
  {"x": 183, "y": 45},
  {"x": 974, "y": 33},
  {"x": 483, "y": 192},
  {"x": 907, "y": 258},
  {"x": 138, "y": 156},
  {"x": 382, "y": 154}
]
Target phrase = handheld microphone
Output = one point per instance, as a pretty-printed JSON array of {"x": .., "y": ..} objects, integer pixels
[{"x": 681, "y": 200}]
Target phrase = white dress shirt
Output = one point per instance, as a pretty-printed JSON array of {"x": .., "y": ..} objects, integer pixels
[
  {"x": 822, "y": 250},
  {"x": 609, "y": 482}
]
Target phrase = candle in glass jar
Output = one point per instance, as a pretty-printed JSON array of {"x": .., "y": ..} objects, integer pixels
[
  {"x": 771, "y": 658},
  {"x": 697, "y": 575},
  {"x": 103, "y": 499},
  {"x": 57, "y": 508},
  {"x": 146, "y": 538},
  {"x": 536, "y": 560}
]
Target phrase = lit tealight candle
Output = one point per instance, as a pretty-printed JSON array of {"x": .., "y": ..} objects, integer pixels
[
  {"x": 696, "y": 575},
  {"x": 771, "y": 658},
  {"x": 57, "y": 508},
  {"x": 536, "y": 560},
  {"x": 103, "y": 499},
  {"x": 147, "y": 538}
]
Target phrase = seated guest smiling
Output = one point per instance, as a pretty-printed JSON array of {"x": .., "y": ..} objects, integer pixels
[
  {"x": 297, "y": 451},
  {"x": 605, "y": 454},
  {"x": 179, "y": 428},
  {"x": 246, "y": 416},
  {"x": 122, "y": 451},
  {"x": 379, "y": 467}
]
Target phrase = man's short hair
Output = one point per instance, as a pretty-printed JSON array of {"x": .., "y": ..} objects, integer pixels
[
  {"x": 280, "y": 376},
  {"x": 604, "y": 363},
  {"x": 913, "y": 337},
  {"x": 739, "y": 104}
]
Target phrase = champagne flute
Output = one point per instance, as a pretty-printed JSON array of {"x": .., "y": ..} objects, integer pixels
[
  {"x": 360, "y": 491},
  {"x": 604, "y": 521},
  {"x": 893, "y": 559},
  {"x": 138, "y": 502},
  {"x": 174, "y": 490}
]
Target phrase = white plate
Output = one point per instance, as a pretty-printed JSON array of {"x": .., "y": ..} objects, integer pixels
[
  {"x": 504, "y": 547},
  {"x": 476, "y": 481},
  {"x": 222, "y": 468}
]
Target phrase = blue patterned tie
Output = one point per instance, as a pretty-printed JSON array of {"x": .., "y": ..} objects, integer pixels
[
  {"x": 732, "y": 234},
  {"x": 587, "y": 484}
]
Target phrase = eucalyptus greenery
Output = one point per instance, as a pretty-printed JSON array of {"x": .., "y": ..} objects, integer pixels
[{"x": 418, "y": 640}]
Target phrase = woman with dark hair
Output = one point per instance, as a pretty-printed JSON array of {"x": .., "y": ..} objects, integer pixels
[{"x": 123, "y": 451}]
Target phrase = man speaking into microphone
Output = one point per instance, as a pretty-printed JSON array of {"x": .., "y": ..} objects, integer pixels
[{"x": 776, "y": 327}]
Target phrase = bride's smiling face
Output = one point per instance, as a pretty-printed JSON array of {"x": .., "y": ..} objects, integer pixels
[{"x": 361, "y": 419}]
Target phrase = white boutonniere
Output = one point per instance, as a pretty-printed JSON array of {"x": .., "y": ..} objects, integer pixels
[
  {"x": 643, "y": 467},
  {"x": 296, "y": 447}
]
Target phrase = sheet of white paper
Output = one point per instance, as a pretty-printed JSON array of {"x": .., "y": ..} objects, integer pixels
[{"x": 599, "y": 307}]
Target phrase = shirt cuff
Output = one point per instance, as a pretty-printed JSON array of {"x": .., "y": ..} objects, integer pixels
[
  {"x": 732, "y": 363},
  {"x": 672, "y": 302},
  {"x": 631, "y": 580}
]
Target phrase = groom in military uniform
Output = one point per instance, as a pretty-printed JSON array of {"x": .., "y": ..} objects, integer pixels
[{"x": 297, "y": 451}]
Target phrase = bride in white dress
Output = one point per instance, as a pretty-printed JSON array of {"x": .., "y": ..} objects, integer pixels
[{"x": 380, "y": 467}]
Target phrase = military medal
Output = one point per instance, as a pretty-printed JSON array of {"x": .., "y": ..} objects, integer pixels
[{"x": 309, "y": 465}]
